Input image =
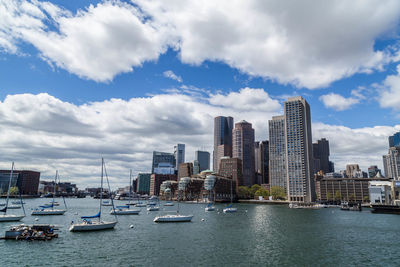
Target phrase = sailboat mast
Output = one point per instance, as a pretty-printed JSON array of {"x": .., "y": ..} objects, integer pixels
[
  {"x": 9, "y": 186},
  {"x": 130, "y": 185},
  {"x": 55, "y": 185},
  {"x": 101, "y": 190}
]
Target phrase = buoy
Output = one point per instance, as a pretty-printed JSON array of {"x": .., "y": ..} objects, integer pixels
[
  {"x": 202, "y": 220},
  {"x": 246, "y": 210},
  {"x": 36, "y": 219},
  {"x": 131, "y": 226}
]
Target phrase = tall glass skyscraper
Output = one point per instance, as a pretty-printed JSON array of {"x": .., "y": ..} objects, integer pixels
[
  {"x": 203, "y": 157},
  {"x": 222, "y": 139},
  {"x": 179, "y": 153}
]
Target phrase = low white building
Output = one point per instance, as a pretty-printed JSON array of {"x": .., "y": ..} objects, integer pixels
[{"x": 380, "y": 192}]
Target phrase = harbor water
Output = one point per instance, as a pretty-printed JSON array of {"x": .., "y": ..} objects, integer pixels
[{"x": 257, "y": 235}]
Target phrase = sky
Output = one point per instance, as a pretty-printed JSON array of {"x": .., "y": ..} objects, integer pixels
[{"x": 81, "y": 80}]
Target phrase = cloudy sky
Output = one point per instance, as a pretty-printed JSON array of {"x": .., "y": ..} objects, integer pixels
[{"x": 83, "y": 79}]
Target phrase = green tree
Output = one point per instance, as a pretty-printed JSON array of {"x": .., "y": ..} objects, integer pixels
[
  {"x": 244, "y": 192},
  {"x": 338, "y": 195},
  {"x": 261, "y": 192},
  {"x": 253, "y": 189},
  {"x": 278, "y": 192},
  {"x": 14, "y": 190},
  {"x": 328, "y": 196}
]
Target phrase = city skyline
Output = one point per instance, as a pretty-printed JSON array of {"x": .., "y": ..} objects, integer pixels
[{"x": 151, "y": 90}]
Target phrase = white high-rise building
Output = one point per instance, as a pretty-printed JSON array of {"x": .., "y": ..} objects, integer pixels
[{"x": 179, "y": 153}]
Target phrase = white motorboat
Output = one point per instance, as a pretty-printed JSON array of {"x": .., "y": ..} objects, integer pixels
[
  {"x": 168, "y": 204},
  {"x": 124, "y": 210},
  {"x": 153, "y": 208},
  {"x": 174, "y": 218},
  {"x": 230, "y": 210},
  {"x": 88, "y": 225},
  {"x": 210, "y": 207},
  {"x": 10, "y": 217},
  {"x": 42, "y": 212}
]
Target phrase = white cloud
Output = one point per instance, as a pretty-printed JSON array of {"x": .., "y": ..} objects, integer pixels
[
  {"x": 171, "y": 75},
  {"x": 390, "y": 91},
  {"x": 338, "y": 102},
  {"x": 44, "y": 133},
  {"x": 307, "y": 43}
]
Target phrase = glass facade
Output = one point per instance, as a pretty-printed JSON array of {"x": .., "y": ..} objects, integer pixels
[{"x": 4, "y": 181}]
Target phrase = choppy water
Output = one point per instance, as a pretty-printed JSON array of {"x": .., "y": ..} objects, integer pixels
[{"x": 257, "y": 235}]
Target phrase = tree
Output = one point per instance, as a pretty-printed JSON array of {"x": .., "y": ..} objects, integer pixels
[
  {"x": 14, "y": 190},
  {"x": 338, "y": 196},
  {"x": 278, "y": 192},
  {"x": 244, "y": 192},
  {"x": 328, "y": 196},
  {"x": 253, "y": 189},
  {"x": 261, "y": 192}
]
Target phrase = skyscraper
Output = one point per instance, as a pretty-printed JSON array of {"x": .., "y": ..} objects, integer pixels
[
  {"x": 351, "y": 169},
  {"x": 261, "y": 150},
  {"x": 394, "y": 140},
  {"x": 391, "y": 163},
  {"x": 203, "y": 157},
  {"x": 299, "y": 157},
  {"x": 277, "y": 152},
  {"x": 222, "y": 139},
  {"x": 321, "y": 154},
  {"x": 243, "y": 148},
  {"x": 179, "y": 153}
]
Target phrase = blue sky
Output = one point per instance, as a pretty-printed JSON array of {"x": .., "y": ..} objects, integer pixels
[{"x": 66, "y": 60}]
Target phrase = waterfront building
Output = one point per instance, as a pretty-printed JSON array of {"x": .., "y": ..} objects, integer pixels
[
  {"x": 196, "y": 167},
  {"x": 220, "y": 188},
  {"x": 243, "y": 148},
  {"x": 351, "y": 169},
  {"x": 321, "y": 156},
  {"x": 232, "y": 168},
  {"x": 168, "y": 189},
  {"x": 27, "y": 181},
  {"x": 5, "y": 180},
  {"x": 190, "y": 188},
  {"x": 299, "y": 157},
  {"x": 162, "y": 157},
  {"x": 143, "y": 183},
  {"x": 203, "y": 157},
  {"x": 277, "y": 152},
  {"x": 164, "y": 168},
  {"x": 185, "y": 170},
  {"x": 179, "y": 154},
  {"x": 223, "y": 127},
  {"x": 391, "y": 163},
  {"x": 347, "y": 189},
  {"x": 379, "y": 192},
  {"x": 156, "y": 181}
]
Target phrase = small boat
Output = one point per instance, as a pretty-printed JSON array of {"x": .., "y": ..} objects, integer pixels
[
  {"x": 87, "y": 224},
  {"x": 49, "y": 209},
  {"x": 230, "y": 209},
  {"x": 168, "y": 204},
  {"x": 10, "y": 217},
  {"x": 153, "y": 208},
  {"x": 210, "y": 207},
  {"x": 385, "y": 208},
  {"x": 301, "y": 205},
  {"x": 39, "y": 232},
  {"x": 173, "y": 218},
  {"x": 124, "y": 210},
  {"x": 106, "y": 203},
  {"x": 17, "y": 202}
]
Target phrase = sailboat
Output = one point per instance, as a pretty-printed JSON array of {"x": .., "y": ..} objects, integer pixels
[
  {"x": 126, "y": 210},
  {"x": 87, "y": 224},
  {"x": 49, "y": 208},
  {"x": 10, "y": 217},
  {"x": 210, "y": 207},
  {"x": 230, "y": 209},
  {"x": 174, "y": 217}
]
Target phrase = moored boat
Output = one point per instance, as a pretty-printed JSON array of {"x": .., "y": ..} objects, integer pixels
[
  {"x": 173, "y": 218},
  {"x": 124, "y": 210},
  {"x": 386, "y": 209},
  {"x": 153, "y": 208}
]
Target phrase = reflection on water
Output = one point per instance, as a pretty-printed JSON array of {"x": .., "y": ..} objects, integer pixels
[{"x": 255, "y": 235}]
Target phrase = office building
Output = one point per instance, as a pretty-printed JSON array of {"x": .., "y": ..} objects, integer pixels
[
  {"x": 277, "y": 152},
  {"x": 223, "y": 127},
  {"x": 162, "y": 157},
  {"x": 351, "y": 169},
  {"x": 185, "y": 170},
  {"x": 231, "y": 168},
  {"x": 179, "y": 154},
  {"x": 27, "y": 181},
  {"x": 5, "y": 180},
  {"x": 374, "y": 171},
  {"x": 243, "y": 148},
  {"x": 299, "y": 157},
  {"x": 261, "y": 150},
  {"x": 394, "y": 140},
  {"x": 321, "y": 156},
  {"x": 164, "y": 168},
  {"x": 196, "y": 167},
  {"x": 143, "y": 183},
  {"x": 391, "y": 163},
  {"x": 156, "y": 181},
  {"x": 203, "y": 157}
]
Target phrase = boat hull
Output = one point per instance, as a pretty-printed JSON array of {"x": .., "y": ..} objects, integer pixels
[
  {"x": 230, "y": 210},
  {"x": 10, "y": 218},
  {"x": 153, "y": 209},
  {"x": 173, "y": 218},
  {"x": 386, "y": 209},
  {"x": 209, "y": 209},
  {"x": 48, "y": 212},
  {"x": 13, "y": 207},
  {"x": 95, "y": 226},
  {"x": 125, "y": 212}
]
